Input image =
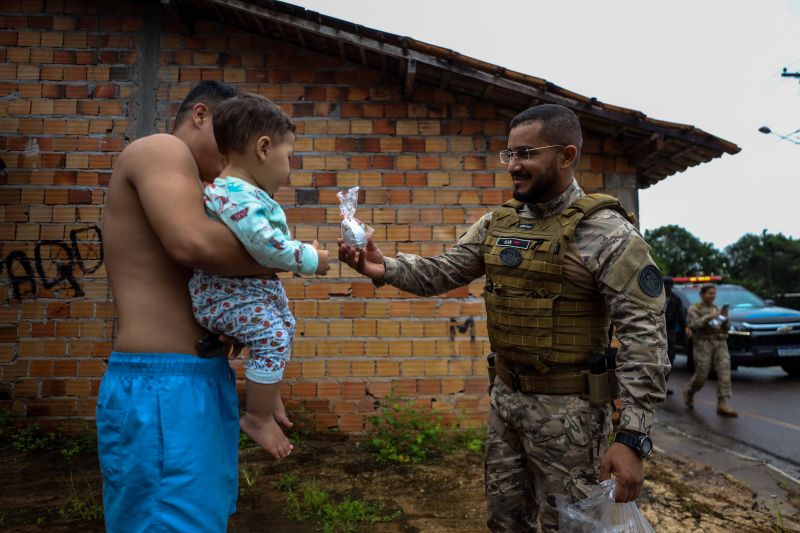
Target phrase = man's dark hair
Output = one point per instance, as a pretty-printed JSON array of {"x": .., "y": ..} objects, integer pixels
[
  {"x": 705, "y": 288},
  {"x": 208, "y": 92},
  {"x": 560, "y": 124},
  {"x": 246, "y": 116}
]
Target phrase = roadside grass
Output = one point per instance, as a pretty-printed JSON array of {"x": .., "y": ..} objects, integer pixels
[
  {"x": 248, "y": 476},
  {"x": 778, "y": 518},
  {"x": 308, "y": 502},
  {"x": 84, "y": 506}
]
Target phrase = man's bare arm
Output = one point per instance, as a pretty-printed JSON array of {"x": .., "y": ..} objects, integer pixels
[{"x": 164, "y": 174}]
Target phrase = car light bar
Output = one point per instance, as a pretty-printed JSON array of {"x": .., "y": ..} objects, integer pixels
[{"x": 696, "y": 279}]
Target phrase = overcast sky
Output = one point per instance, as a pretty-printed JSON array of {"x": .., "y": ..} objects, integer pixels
[{"x": 714, "y": 64}]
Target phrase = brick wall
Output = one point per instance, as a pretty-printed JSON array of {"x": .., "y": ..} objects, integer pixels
[{"x": 427, "y": 167}]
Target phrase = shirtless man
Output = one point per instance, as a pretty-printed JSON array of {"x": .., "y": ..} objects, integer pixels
[{"x": 167, "y": 419}]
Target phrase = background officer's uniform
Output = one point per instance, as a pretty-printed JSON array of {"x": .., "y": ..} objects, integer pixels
[
  {"x": 710, "y": 346},
  {"x": 550, "y": 445}
]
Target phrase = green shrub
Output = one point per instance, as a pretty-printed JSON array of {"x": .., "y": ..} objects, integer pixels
[
  {"x": 469, "y": 439},
  {"x": 403, "y": 434},
  {"x": 78, "y": 445},
  {"x": 32, "y": 439},
  {"x": 309, "y": 502}
]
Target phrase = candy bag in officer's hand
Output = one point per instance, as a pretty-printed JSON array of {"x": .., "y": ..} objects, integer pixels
[
  {"x": 353, "y": 231},
  {"x": 598, "y": 513}
]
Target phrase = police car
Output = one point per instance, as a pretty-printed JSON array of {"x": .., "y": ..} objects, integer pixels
[{"x": 760, "y": 335}]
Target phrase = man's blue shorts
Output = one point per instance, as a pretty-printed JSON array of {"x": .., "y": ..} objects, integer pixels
[{"x": 168, "y": 435}]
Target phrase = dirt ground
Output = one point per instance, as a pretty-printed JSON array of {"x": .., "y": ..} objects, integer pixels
[{"x": 442, "y": 496}]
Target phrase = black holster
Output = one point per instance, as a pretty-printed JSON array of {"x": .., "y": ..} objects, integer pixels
[{"x": 490, "y": 360}]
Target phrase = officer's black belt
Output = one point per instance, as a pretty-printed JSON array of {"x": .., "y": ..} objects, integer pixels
[{"x": 518, "y": 378}]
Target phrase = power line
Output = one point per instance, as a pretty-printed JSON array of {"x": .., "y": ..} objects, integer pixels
[{"x": 766, "y": 130}]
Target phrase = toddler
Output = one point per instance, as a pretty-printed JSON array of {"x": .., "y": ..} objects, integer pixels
[{"x": 257, "y": 138}]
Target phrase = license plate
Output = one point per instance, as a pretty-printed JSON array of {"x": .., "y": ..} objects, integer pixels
[{"x": 788, "y": 351}]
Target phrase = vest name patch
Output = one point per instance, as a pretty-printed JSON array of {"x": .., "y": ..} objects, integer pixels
[
  {"x": 514, "y": 243},
  {"x": 525, "y": 226}
]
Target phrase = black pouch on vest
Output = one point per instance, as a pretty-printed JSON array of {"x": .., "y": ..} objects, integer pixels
[{"x": 598, "y": 380}]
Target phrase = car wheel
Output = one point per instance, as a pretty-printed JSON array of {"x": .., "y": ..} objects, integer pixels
[{"x": 793, "y": 369}]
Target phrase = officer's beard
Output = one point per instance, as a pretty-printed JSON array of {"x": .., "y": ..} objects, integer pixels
[{"x": 539, "y": 189}]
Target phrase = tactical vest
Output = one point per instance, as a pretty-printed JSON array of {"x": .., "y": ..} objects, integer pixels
[{"x": 536, "y": 317}]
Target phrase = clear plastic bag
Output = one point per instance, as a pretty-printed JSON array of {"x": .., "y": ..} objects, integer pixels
[
  {"x": 598, "y": 513},
  {"x": 353, "y": 231}
]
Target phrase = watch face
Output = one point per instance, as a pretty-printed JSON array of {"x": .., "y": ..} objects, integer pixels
[{"x": 647, "y": 446}]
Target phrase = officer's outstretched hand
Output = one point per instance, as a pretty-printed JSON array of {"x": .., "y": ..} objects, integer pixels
[
  {"x": 627, "y": 468},
  {"x": 367, "y": 261}
]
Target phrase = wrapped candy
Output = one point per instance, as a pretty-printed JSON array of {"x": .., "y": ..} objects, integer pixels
[{"x": 353, "y": 231}]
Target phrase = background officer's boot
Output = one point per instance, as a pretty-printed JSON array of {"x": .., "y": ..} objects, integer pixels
[
  {"x": 688, "y": 398},
  {"x": 725, "y": 409}
]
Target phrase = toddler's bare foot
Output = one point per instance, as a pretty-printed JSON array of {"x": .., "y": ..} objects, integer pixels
[
  {"x": 279, "y": 413},
  {"x": 266, "y": 433}
]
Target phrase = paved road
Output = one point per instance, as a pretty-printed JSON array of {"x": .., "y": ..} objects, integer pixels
[{"x": 768, "y": 401}]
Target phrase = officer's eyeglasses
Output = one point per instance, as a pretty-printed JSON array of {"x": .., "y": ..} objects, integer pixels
[{"x": 522, "y": 154}]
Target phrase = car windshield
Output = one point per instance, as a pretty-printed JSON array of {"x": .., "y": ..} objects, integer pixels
[{"x": 733, "y": 296}]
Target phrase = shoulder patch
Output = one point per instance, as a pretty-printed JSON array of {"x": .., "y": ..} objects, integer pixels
[{"x": 650, "y": 281}]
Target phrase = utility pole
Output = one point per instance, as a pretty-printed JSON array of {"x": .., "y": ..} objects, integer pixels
[
  {"x": 787, "y": 74},
  {"x": 791, "y": 137}
]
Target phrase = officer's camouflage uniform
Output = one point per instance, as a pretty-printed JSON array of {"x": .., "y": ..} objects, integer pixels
[
  {"x": 562, "y": 437},
  {"x": 710, "y": 347}
]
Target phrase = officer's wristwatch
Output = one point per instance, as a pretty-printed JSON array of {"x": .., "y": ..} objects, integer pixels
[{"x": 638, "y": 442}]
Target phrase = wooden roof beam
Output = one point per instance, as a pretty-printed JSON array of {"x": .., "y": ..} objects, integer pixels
[
  {"x": 644, "y": 149},
  {"x": 411, "y": 74},
  {"x": 445, "y": 79},
  {"x": 258, "y": 24},
  {"x": 300, "y": 38}
]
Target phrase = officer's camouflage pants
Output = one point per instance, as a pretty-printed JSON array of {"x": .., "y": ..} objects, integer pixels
[
  {"x": 563, "y": 439},
  {"x": 706, "y": 352}
]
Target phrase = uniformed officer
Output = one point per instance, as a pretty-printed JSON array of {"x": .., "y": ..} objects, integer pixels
[
  {"x": 559, "y": 266},
  {"x": 709, "y": 326},
  {"x": 675, "y": 315}
]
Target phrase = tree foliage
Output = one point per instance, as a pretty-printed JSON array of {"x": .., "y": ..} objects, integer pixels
[
  {"x": 679, "y": 253},
  {"x": 767, "y": 264}
]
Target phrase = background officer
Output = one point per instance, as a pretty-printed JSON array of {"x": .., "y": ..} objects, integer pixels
[
  {"x": 709, "y": 327},
  {"x": 559, "y": 266},
  {"x": 675, "y": 316}
]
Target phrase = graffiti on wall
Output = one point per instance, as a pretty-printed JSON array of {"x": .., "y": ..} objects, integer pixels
[
  {"x": 56, "y": 263},
  {"x": 467, "y": 325}
]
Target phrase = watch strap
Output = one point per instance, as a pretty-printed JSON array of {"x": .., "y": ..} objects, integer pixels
[{"x": 633, "y": 441}]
